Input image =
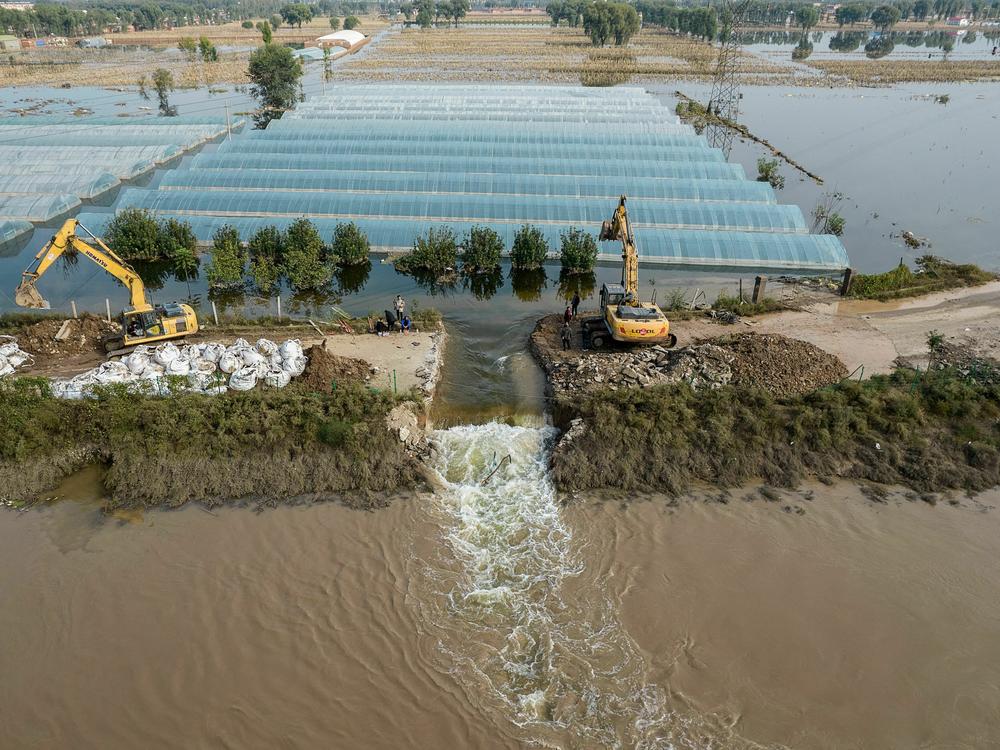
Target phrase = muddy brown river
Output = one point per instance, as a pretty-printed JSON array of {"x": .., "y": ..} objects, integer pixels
[{"x": 495, "y": 616}]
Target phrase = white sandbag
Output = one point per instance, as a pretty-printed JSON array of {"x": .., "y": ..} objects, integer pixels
[
  {"x": 191, "y": 352},
  {"x": 166, "y": 353},
  {"x": 5, "y": 367},
  {"x": 266, "y": 347},
  {"x": 137, "y": 362},
  {"x": 290, "y": 349},
  {"x": 66, "y": 389},
  {"x": 295, "y": 366},
  {"x": 154, "y": 370},
  {"x": 251, "y": 357},
  {"x": 18, "y": 358},
  {"x": 111, "y": 372},
  {"x": 239, "y": 344},
  {"x": 275, "y": 360},
  {"x": 8, "y": 346},
  {"x": 277, "y": 378},
  {"x": 179, "y": 366},
  {"x": 212, "y": 352},
  {"x": 243, "y": 379},
  {"x": 230, "y": 362},
  {"x": 204, "y": 366}
]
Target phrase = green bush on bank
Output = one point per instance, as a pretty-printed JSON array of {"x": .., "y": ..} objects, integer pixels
[
  {"x": 169, "y": 450},
  {"x": 933, "y": 274},
  {"x": 931, "y": 432}
]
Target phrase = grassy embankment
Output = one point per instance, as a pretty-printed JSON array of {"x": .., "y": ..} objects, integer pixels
[
  {"x": 267, "y": 445},
  {"x": 933, "y": 274},
  {"x": 931, "y": 432}
]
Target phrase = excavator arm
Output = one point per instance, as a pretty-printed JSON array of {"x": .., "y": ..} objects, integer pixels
[
  {"x": 619, "y": 228},
  {"x": 27, "y": 295}
]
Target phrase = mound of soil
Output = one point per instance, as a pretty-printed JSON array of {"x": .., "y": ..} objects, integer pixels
[
  {"x": 84, "y": 335},
  {"x": 779, "y": 364},
  {"x": 325, "y": 368}
]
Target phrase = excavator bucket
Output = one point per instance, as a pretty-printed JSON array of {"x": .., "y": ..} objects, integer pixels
[
  {"x": 608, "y": 232},
  {"x": 27, "y": 296}
]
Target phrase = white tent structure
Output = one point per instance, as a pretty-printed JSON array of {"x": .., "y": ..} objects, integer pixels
[{"x": 348, "y": 39}]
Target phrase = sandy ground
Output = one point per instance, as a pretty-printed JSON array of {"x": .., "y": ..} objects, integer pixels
[
  {"x": 875, "y": 334},
  {"x": 407, "y": 356}
]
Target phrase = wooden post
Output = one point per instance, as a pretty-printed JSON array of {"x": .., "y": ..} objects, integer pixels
[
  {"x": 279, "y": 307},
  {"x": 741, "y": 291},
  {"x": 72, "y": 304},
  {"x": 759, "y": 284},
  {"x": 215, "y": 313},
  {"x": 107, "y": 305},
  {"x": 845, "y": 286}
]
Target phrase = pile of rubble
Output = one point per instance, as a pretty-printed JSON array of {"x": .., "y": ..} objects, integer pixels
[
  {"x": 60, "y": 338},
  {"x": 775, "y": 363}
]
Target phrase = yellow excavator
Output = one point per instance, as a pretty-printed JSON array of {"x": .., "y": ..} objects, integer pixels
[
  {"x": 141, "y": 322},
  {"x": 624, "y": 318}
]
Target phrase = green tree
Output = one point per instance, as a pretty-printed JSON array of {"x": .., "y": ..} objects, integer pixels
[
  {"x": 849, "y": 14},
  {"x": 350, "y": 245},
  {"x": 188, "y": 46},
  {"x": 483, "y": 249},
  {"x": 265, "y": 32},
  {"x": 351, "y": 22},
  {"x": 207, "y": 50},
  {"x": 295, "y": 14},
  {"x": 275, "y": 20},
  {"x": 806, "y": 16},
  {"x": 275, "y": 73},
  {"x": 530, "y": 249},
  {"x": 920, "y": 9},
  {"x": 227, "y": 261},
  {"x": 885, "y": 17},
  {"x": 435, "y": 253},
  {"x": 304, "y": 251},
  {"x": 334, "y": 23},
  {"x": 457, "y": 10},
  {"x": 163, "y": 82},
  {"x": 425, "y": 13},
  {"x": 134, "y": 234},
  {"x": 767, "y": 171},
  {"x": 247, "y": 25},
  {"x": 626, "y": 23},
  {"x": 266, "y": 250},
  {"x": 578, "y": 251},
  {"x": 598, "y": 23}
]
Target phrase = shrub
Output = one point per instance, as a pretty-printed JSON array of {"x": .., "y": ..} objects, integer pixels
[
  {"x": 303, "y": 257},
  {"x": 933, "y": 274},
  {"x": 435, "y": 253},
  {"x": 351, "y": 22},
  {"x": 134, "y": 234},
  {"x": 335, "y": 432},
  {"x": 483, "y": 248},
  {"x": 767, "y": 171},
  {"x": 578, "y": 251},
  {"x": 334, "y": 23},
  {"x": 266, "y": 249},
  {"x": 228, "y": 259},
  {"x": 350, "y": 245},
  {"x": 529, "y": 249},
  {"x": 247, "y": 24},
  {"x": 265, "y": 273}
]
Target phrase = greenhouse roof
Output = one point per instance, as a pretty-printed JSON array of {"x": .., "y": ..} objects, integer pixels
[
  {"x": 400, "y": 159},
  {"x": 10, "y": 230},
  {"x": 48, "y": 164}
]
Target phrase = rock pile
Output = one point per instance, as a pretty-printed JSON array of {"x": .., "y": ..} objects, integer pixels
[{"x": 771, "y": 362}]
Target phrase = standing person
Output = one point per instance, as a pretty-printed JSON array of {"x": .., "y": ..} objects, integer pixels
[
  {"x": 567, "y": 315},
  {"x": 399, "y": 305},
  {"x": 567, "y": 336},
  {"x": 575, "y": 303}
]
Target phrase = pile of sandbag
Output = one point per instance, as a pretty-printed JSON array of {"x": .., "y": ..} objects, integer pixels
[
  {"x": 207, "y": 368},
  {"x": 12, "y": 356}
]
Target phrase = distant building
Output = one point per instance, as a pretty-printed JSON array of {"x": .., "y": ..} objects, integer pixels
[
  {"x": 93, "y": 42},
  {"x": 958, "y": 21},
  {"x": 9, "y": 43},
  {"x": 17, "y": 6},
  {"x": 348, "y": 39}
]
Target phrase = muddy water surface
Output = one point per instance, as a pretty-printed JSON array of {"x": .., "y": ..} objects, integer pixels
[{"x": 494, "y": 616}]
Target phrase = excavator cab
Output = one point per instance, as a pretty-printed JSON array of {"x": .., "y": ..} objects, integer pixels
[{"x": 152, "y": 324}]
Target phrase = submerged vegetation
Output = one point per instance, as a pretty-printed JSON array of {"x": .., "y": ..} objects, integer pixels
[
  {"x": 187, "y": 447},
  {"x": 929, "y": 431},
  {"x": 933, "y": 274}
]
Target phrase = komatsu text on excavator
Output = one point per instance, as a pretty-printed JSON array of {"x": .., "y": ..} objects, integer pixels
[
  {"x": 141, "y": 322},
  {"x": 624, "y": 318}
]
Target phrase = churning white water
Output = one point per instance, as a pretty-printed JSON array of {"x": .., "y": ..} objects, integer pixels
[{"x": 519, "y": 626}]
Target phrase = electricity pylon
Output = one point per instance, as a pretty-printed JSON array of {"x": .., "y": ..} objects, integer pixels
[{"x": 725, "y": 99}]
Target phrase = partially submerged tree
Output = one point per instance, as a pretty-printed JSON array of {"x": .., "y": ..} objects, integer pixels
[
  {"x": 266, "y": 250},
  {"x": 767, "y": 171},
  {"x": 304, "y": 253},
  {"x": 826, "y": 220},
  {"x": 578, "y": 251},
  {"x": 134, "y": 234},
  {"x": 530, "y": 249},
  {"x": 435, "y": 253},
  {"x": 275, "y": 73},
  {"x": 350, "y": 245},
  {"x": 163, "y": 82},
  {"x": 228, "y": 259},
  {"x": 483, "y": 249},
  {"x": 884, "y": 17},
  {"x": 207, "y": 50},
  {"x": 807, "y": 16},
  {"x": 188, "y": 46}
]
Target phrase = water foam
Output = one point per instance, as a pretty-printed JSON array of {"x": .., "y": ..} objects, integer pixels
[{"x": 515, "y": 632}]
